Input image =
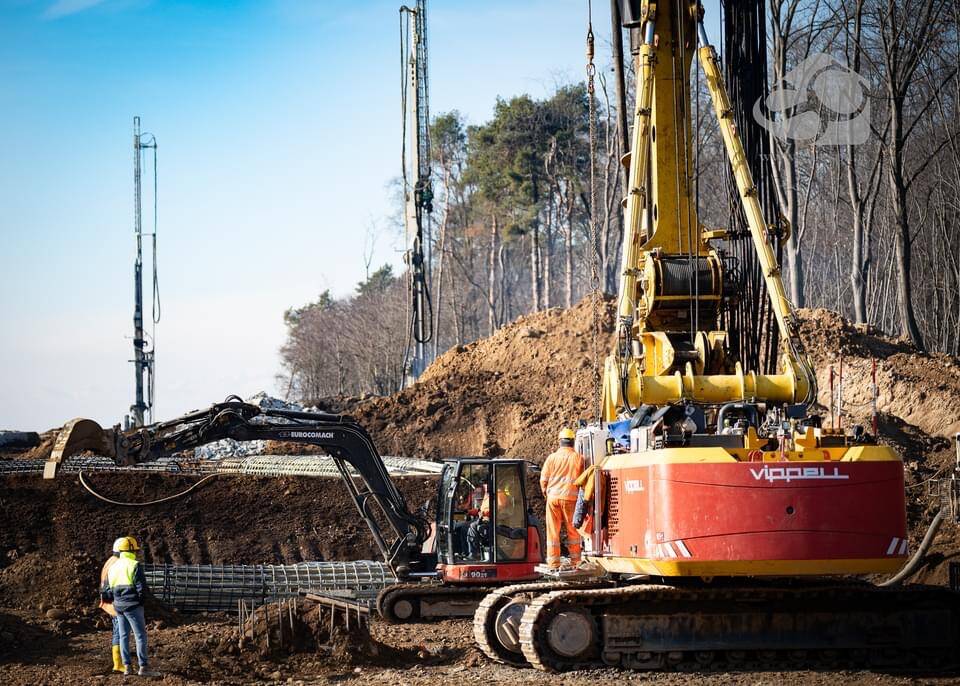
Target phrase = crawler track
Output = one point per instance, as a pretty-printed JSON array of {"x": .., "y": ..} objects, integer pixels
[
  {"x": 657, "y": 627},
  {"x": 484, "y": 620}
]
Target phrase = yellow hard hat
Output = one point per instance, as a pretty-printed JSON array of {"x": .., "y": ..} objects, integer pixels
[
  {"x": 567, "y": 434},
  {"x": 125, "y": 544}
]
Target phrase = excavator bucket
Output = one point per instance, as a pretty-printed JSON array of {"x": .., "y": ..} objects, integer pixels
[{"x": 77, "y": 436}]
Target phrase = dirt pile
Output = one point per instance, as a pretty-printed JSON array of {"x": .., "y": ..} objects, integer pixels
[
  {"x": 503, "y": 395},
  {"x": 920, "y": 389},
  {"x": 275, "y": 631},
  {"x": 509, "y": 393},
  {"x": 50, "y": 582}
]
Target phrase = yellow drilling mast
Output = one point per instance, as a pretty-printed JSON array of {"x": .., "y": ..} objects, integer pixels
[{"x": 670, "y": 347}]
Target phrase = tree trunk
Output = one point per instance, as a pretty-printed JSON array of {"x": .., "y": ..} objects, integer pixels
[
  {"x": 568, "y": 256},
  {"x": 898, "y": 202},
  {"x": 548, "y": 251},
  {"x": 859, "y": 266},
  {"x": 492, "y": 277},
  {"x": 794, "y": 252},
  {"x": 898, "y": 205},
  {"x": 535, "y": 279}
]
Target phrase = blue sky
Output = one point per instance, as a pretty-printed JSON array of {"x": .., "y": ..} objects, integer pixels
[{"x": 278, "y": 125}]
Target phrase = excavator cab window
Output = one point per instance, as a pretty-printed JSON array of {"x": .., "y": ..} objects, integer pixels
[
  {"x": 509, "y": 513},
  {"x": 483, "y": 513},
  {"x": 471, "y": 513}
]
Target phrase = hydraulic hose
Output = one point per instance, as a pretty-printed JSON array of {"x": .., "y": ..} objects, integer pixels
[
  {"x": 911, "y": 567},
  {"x": 83, "y": 482}
]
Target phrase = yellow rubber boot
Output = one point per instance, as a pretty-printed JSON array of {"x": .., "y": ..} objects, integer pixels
[{"x": 117, "y": 661}]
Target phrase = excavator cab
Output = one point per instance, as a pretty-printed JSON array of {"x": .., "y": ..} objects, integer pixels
[{"x": 485, "y": 532}]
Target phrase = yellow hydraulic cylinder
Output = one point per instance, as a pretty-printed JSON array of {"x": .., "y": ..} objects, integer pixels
[{"x": 666, "y": 389}]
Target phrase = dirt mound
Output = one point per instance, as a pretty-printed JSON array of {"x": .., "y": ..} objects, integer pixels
[
  {"x": 503, "y": 395},
  {"x": 275, "y": 631},
  {"x": 509, "y": 393},
  {"x": 922, "y": 389},
  {"x": 52, "y": 582}
]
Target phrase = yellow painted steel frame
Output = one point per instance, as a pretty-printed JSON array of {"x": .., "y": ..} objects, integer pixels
[{"x": 663, "y": 69}]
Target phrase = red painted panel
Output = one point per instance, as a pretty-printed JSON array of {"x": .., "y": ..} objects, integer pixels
[{"x": 752, "y": 511}]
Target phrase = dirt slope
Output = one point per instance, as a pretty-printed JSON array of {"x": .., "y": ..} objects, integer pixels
[
  {"x": 921, "y": 389},
  {"x": 508, "y": 394},
  {"x": 504, "y": 395},
  {"x": 56, "y": 531}
]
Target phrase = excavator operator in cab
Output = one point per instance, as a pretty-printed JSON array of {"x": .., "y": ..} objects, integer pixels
[{"x": 557, "y": 481}]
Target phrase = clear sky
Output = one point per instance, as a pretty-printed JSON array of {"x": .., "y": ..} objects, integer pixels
[{"x": 278, "y": 123}]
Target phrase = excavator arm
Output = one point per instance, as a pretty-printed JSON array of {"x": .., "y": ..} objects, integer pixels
[{"x": 347, "y": 443}]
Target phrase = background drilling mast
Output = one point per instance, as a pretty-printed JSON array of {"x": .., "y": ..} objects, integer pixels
[
  {"x": 418, "y": 195},
  {"x": 143, "y": 358}
]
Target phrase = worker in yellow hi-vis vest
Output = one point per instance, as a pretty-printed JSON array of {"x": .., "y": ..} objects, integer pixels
[{"x": 126, "y": 588}]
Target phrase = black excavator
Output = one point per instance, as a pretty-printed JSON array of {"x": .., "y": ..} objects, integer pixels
[{"x": 483, "y": 533}]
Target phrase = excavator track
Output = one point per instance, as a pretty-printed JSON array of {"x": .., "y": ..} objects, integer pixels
[
  {"x": 498, "y": 636},
  {"x": 404, "y": 603},
  {"x": 660, "y": 627}
]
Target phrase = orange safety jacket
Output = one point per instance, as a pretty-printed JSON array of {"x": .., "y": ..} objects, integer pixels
[{"x": 559, "y": 474}]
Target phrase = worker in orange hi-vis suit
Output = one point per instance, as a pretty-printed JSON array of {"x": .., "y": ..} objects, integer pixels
[{"x": 557, "y": 478}]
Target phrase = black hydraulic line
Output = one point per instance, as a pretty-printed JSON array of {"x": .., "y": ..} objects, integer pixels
[
  {"x": 167, "y": 499},
  {"x": 911, "y": 567}
]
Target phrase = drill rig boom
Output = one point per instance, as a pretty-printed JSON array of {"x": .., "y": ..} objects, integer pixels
[{"x": 672, "y": 279}]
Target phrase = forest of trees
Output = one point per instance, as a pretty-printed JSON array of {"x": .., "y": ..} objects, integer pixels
[{"x": 874, "y": 225}]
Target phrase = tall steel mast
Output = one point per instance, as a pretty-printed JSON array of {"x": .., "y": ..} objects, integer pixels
[
  {"x": 143, "y": 358},
  {"x": 418, "y": 196}
]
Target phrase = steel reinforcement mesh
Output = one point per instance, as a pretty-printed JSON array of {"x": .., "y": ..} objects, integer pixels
[
  {"x": 258, "y": 465},
  {"x": 220, "y": 588}
]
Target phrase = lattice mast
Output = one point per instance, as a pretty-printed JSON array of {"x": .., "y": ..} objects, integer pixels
[
  {"x": 418, "y": 187},
  {"x": 143, "y": 358}
]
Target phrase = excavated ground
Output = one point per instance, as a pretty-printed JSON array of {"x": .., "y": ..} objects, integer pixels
[{"x": 506, "y": 395}]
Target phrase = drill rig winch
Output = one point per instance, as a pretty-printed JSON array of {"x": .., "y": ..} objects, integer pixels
[{"x": 724, "y": 526}]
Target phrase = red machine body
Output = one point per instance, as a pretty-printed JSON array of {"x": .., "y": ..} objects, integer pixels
[{"x": 754, "y": 518}]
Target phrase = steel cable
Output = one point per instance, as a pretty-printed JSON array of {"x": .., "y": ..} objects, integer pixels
[{"x": 594, "y": 234}]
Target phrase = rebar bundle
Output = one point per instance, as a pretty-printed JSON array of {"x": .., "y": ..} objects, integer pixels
[
  {"x": 220, "y": 588},
  {"x": 258, "y": 465}
]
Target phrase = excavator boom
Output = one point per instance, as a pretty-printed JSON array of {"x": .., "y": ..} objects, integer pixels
[{"x": 343, "y": 438}]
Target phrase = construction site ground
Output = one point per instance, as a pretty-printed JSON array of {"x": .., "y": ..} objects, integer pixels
[{"x": 505, "y": 395}]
